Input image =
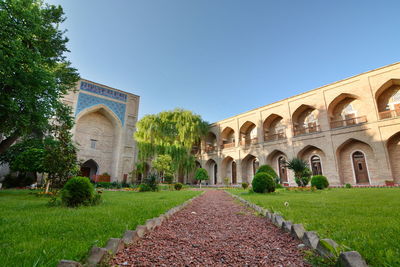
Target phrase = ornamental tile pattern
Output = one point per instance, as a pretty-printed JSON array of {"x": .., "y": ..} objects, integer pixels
[
  {"x": 96, "y": 89},
  {"x": 86, "y": 101}
]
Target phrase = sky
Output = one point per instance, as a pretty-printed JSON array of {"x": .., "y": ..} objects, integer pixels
[{"x": 220, "y": 58}]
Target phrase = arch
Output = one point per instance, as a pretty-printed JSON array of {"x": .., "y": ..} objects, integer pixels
[
  {"x": 360, "y": 167},
  {"x": 228, "y": 137},
  {"x": 212, "y": 169},
  {"x": 97, "y": 132},
  {"x": 305, "y": 120},
  {"x": 229, "y": 169},
  {"x": 347, "y": 170},
  {"x": 89, "y": 169},
  {"x": 103, "y": 109},
  {"x": 315, "y": 158},
  {"x": 276, "y": 159},
  {"x": 250, "y": 164},
  {"x": 273, "y": 128},
  {"x": 387, "y": 98},
  {"x": 210, "y": 142},
  {"x": 393, "y": 148},
  {"x": 248, "y": 133},
  {"x": 346, "y": 110}
]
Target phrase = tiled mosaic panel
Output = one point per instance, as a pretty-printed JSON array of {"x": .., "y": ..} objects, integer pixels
[
  {"x": 90, "y": 87},
  {"x": 87, "y": 101}
]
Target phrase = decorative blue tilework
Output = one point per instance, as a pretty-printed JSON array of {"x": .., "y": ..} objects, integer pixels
[
  {"x": 93, "y": 88},
  {"x": 86, "y": 101}
]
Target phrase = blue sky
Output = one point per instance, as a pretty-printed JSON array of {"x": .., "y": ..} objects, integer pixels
[{"x": 220, "y": 58}]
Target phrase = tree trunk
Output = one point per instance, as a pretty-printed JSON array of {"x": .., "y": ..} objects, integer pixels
[{"x": 6, "y": 143}]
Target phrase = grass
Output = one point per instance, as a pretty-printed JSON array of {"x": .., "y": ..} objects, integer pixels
[
  {"x": 33, "y": 234},
  {"x": 364, "y": 219}
]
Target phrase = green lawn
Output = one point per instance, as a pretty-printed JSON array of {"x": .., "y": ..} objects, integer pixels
[
  {"x": 33, "y": 234},
  {"x": 366, "y": 220}
]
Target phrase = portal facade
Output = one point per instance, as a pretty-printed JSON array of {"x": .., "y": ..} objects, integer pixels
[
  {"x": 348, "y": 131},
  {"x": 105, "y": 121}
]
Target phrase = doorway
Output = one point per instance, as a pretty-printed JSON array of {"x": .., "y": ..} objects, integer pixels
[
  {"x": 282, "y": 169},
  {"x": 360, "y": 168},
  {"x": 234, "y": 179}
]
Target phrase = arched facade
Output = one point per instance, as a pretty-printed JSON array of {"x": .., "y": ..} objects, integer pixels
[
  {"x": 105, "y": 121},
  {"x": 212, "y": 169},
  {"x": 229, "y": 170},
  {"x": 89, "y": 169},
  {"x": 325, "y": 127}
]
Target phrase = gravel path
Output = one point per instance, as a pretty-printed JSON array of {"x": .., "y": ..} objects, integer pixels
[{"x": 213, "y": 231}]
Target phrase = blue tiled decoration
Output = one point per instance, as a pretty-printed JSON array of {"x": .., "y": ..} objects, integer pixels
[
  {"x": 93, "y": 88},
  {"x": 86, "y": 101}
]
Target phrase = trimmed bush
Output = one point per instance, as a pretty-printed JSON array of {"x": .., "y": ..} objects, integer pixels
[
  {"x": 348, "y": 186},
  {"x": 178, "y": 186},
  {"x": 144, "y": 188},
  {"x": 168, "y": 178},
  {"x": 78, "y": 191},
  {"x": 319, "y": 181},
  {"x": 263, "y": 182},
  {"x": 268, "y": 169},
  {"x": 245, "y": 185}
]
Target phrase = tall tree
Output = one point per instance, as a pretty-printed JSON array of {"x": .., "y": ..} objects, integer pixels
[
  {"x": 34, "y": 72},
  {"x": 172, "y": 133}
]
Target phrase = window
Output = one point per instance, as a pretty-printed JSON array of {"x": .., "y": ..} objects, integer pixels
[{"x": 93, "y": 143}]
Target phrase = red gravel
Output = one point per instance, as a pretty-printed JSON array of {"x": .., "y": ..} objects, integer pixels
[{"x": 213, "y": 231}]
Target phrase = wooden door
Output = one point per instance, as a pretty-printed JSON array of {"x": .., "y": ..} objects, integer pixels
[
  {"x": 360, "y": 168},
  {"x": 234, "y": 179},
  {"x": 316, "y": 165},
  {"x": 282, "y": 170},
  {"x": 215, "y": 174},
  {"x": 85, "y": 172}
]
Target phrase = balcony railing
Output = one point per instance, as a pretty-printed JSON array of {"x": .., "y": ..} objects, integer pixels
[
  {"x": 248, "y": 141},
  {"x": 210, "y": 149},
  {"x": 389, "y": 114},
  {"x": 306, "y": 130},
  {"x": 274, "y": 137},
  {"x": 228, "y": 145},
  {"x": 348, "y": 122}
]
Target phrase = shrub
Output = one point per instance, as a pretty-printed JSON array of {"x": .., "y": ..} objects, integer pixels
[
  {"x": 268, "y": 169},
  {"x": 152, "y": 182},
  {"x": 263, "y": 182},
  {"x": 168, "y": 178},
  {"x": 78, "y": 191},
  {"x": 348, "y": 186},
  {"x": 178, "y": 186},
  {"x": 144, "y": 188},
  {"x": 20, "y": 180},
  {"x": 245, "y": 185},
  {"x": 279, "y": 185},
  {"x": 319, "y": 181},
  {"x": 304, "y": 179}
]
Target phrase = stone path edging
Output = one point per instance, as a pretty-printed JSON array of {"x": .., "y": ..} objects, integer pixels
[
  {"x": 309, "y": 238},
  {"x": 101, "y": 255}
]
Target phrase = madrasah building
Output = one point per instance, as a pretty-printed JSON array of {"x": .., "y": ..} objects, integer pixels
[
  {"x": 105, "y": 120},
  {"x": 348, "y": 131}
]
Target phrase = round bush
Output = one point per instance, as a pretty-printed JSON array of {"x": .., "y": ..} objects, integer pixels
[
  {"x": 178, "y": 186},
  {"x": 77, "y": 191},
  {"x": 263, "y": 182},
  {"x": 268, "y": 169},
  {"x": 319, "y": 181},
  {"x": 245, "y": 185},
  {"x": 144, "y": 188}
]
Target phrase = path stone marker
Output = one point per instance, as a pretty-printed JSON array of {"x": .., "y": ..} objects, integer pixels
[
  {"x": 96, "y": 256},
  {"x": 310, "y": 239},
  {"x": 297, "y": 231},
  {"x": 351, "y": 259},
  {"x": 114, "y": 245}
]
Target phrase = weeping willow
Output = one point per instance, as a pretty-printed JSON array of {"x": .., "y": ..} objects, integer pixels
[{"x": 173, "y": 133}]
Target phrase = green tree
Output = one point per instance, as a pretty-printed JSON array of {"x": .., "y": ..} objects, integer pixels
[
  {"x": 61, "y": 161},
  {"x": 201, "y": 175},
  {"x": 171, "y": 133},
  {"x": 34, "y": 72},
  {"x": 163, "y": 165},
  {"x": 301, "y": 171}
]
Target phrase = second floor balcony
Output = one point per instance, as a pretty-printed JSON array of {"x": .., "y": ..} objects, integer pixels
[
  {"x": 301, "y": 130},
  {"x": 389, "y": 114},
  {"x": 348, "y": 122},
  {"x": 210, "y": 149},
  {"x": 248, "y": 141},
  {"x": 228, "y": 145},
  {"x": 274, "y": 137}
]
